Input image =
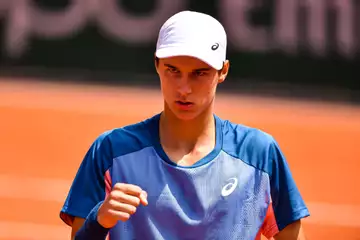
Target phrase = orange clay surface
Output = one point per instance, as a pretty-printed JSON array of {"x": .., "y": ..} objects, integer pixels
[{"x": 45, "y": 130}]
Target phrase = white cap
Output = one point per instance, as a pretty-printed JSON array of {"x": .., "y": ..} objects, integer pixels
[{"x": 193, "y": 34}]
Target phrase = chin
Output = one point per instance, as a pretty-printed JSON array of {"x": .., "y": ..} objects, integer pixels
[{"x": 185, "y": 116}]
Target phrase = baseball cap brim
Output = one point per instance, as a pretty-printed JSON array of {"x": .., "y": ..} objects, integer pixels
[{"x": 179, "y": 51}]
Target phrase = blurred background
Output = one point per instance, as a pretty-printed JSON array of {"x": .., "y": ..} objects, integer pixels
[{"x": 71, "y": 69}]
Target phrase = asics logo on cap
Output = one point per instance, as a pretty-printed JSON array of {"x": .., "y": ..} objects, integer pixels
[{"x": 215, "y": 46}]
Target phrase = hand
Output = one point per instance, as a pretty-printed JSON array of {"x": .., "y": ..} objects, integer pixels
[{"x": 120, "y": 204}]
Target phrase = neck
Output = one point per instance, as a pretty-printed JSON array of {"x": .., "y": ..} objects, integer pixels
[{"x": 187, "y": 134}]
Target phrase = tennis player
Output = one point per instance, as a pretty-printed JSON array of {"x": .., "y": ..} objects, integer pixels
[{"x": 185, "y": 173}]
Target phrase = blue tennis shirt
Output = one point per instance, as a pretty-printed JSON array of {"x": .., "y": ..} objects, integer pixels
[{"x": 242, "y": 189}]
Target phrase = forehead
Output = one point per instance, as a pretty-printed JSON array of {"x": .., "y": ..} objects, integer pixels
[{"x": 185, "y": 63}]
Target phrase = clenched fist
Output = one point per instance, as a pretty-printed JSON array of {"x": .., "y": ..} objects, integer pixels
[{"x": 120, "y": 204}]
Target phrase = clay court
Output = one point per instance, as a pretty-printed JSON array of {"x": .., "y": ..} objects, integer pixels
[{"x": 47, "y": 128}]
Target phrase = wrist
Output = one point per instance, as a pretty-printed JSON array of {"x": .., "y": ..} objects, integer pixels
[
  {"x": 102, "y": 222},
  {"x": 91, "y": 227}
]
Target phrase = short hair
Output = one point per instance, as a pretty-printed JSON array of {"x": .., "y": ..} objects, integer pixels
[{"x": 157, "y": 64}]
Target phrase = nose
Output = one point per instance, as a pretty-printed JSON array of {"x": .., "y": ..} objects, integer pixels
[{"x": 184, "y": 86}]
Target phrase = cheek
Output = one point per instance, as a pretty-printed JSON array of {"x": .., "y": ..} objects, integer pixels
[
  {"x": 208, "y": 89},
  {"x": 166, "y": 86}
]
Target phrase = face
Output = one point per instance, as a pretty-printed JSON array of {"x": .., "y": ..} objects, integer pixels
[{"x": 188, "y": 85}]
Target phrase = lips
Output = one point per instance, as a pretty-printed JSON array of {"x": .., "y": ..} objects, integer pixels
[{"x": 184, "y": 104}]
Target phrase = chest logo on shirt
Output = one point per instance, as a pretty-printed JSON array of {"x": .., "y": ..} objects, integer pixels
[{"x": 229, "y": 187}]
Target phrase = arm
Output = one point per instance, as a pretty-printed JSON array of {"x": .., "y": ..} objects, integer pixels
[
  {"x": 293, "y": 231},
  {"x": 287, "y": 207},
  {"x": 119, "y": 205},
  {"x": 93, "y": 205},
  {"x": 90, "y": 184},
  {"x": 77, "y": 224}
]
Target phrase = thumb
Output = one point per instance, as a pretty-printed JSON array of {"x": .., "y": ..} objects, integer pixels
[{"x": 143, "y": 198}]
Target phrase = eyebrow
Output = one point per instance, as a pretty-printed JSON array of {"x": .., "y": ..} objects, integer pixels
[
  {"x": 169, "y": 65},
  {"x": 194, "y": 70},
  {"x": 201, "y": 69}
]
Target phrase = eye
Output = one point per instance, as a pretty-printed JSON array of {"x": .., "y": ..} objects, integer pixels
[
  {"x": 199, "y": 73},
  {"x": 172, "y": 70}
]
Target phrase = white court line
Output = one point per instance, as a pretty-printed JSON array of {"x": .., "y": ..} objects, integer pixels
[
  {"x": 31, "y": 231},
  {"x": 47, "y": 189}
]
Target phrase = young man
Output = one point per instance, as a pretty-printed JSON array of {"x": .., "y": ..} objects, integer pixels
[{"x": 185, "y": 173}]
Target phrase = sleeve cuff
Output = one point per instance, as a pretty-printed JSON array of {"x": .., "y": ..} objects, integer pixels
[{"x": 91, "y": 228}]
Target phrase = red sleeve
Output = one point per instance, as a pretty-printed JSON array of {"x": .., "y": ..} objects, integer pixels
[
  {"x": 269, "y": 228},
  {"x": 108, "y": 187}
]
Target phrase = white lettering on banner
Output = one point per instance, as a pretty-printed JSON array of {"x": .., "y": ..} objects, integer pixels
[
  {"x": 4, "y": 5},
  {"x": 17, "y": 27},
  {"x": 61, "y": 23},
  {"x": 241, "y": 34},
  {"x": 284, "y": 33},
  {"x": 316, "y": 25},
  {"x": 121, "y": 25},
  {"x": 25, "y": 19},
  {"x": 345, "y": 27}
]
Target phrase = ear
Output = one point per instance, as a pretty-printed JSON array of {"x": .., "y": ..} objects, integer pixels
[
  {"x": 224, "y": 71},
  {"x": 156, "y": 62}
]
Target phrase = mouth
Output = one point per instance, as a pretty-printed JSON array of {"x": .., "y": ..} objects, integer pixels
[{"x": 184, "y": 105}]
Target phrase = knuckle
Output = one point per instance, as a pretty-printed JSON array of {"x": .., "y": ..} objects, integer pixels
[
  {"x": 137, "y": 202},
  {"x": 119, "y": 186},
  {"x": 136, "y": 188},
  {"x": 112, "y": 203},
  {"x": 132, "y": 209},
  {"x": 113, "y": 194},
  {"x": 131, "y": 200},
  {"x": 124, "y": 217}
]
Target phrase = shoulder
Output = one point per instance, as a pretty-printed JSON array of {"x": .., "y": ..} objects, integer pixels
[
  {"x": 250, "y": 145},
  {"x": 237, "y": 133},
  {"x": 125, "y": 140},
  {"x": 260, "y": 150}
]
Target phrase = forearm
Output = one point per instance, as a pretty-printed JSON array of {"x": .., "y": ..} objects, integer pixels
[
  {"x": 91, "y": 229},
  {"x": 293, "y": 231}
]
